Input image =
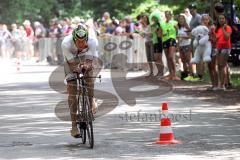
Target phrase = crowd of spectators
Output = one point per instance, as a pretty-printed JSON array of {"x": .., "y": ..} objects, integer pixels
[{"x": 162, "y": 32}]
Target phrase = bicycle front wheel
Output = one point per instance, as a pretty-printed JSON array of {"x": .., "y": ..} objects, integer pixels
[
  {"x": 90, "y": 133},
  {"x": 89, "y": 118},
  {"x": 83, "y": 131}
]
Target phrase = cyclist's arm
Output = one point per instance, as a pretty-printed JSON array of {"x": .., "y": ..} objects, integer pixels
[
  {"x": 88, "y": 56},
  {"x": 91, "y": 53},
  {"x": 69, "y": 58},
  {"x": 74, "y": 67}
]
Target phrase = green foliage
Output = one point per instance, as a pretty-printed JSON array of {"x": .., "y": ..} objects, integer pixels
[
  {"x": 235, "y": 79},
  {"x": 44, "y": 10},
  {"x": 174, "y": 5},
  {"x": 12, "y": 11},
  {"x": 238, "y": 5},
  {"x": 18, "y": 10},
  {"x": 117, "y": 8},
  {"x": 151, "y": 5}
]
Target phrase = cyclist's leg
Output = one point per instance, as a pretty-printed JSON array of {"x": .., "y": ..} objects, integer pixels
[
  {"x": 90, "y": 84},
  {"x": 72, "y": 102}
]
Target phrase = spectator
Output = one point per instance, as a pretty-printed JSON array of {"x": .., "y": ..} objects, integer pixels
[
  {"x": 115, "y": 24},
  {"x": 110, "y": 28},
  {"x": 195, "y": 21},
  {"x": 101, "y": 29},
  {"x": 2, "y": 41},
  {"x": 130, "y": 27},
  {"x": 16, "y": 41},
  {"x": 146, "y": 33},
  {"x": 50, "y": 30},
  {"x": 157, "y": 43},
  {"x": 121, "y": 28},
  {"x": 93, "y": 34},
  {"x": 59, "y": 35},
  {"x": 206, "y": 21},
  {"x": 91, "y": 29},
  {"x": 184, "y": 43},
  {"x": 169, "y": 32},
  {"x": 75, "y": 21},
  {"x": 5, "y": 41},
  {"x": 106, "y": 19},
  {"x": 196, "y": 18},
  {"x": 23, "y": 36},
  {"x": 30, "y": 37},
  {"x": 66, "y": 27},
  {"x": 188, "y": 15},
  {"x": 57, "y": 30},
  {"x": 223, "y": 48},
  {"x": 138, "y": 24},
  {"x": 40, "y": 32},
  {"x": 218, "y": 10},
  {"x": 106, "y": 24}
]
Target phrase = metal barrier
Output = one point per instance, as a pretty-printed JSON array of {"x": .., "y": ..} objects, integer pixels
[
  {"x": 50, "y": 50},
  {"x": 122, "y": 52},
  {"x": 113, "y": 51}
]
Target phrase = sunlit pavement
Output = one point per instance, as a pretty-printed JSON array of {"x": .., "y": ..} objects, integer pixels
[{"x": 30, "y": 129}]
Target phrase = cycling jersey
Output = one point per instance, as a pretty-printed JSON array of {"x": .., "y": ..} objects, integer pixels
[{"x": 70, "y": 51}]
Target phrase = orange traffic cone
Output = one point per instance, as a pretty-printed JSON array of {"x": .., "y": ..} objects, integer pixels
[
  {"x": 164, "y": 109},
  {"x": 166, "y": 134}
]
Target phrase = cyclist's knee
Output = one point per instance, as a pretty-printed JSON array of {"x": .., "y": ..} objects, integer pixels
[
  {"x": 72, "y": 102},
  {"x": 72, "y": 88}
]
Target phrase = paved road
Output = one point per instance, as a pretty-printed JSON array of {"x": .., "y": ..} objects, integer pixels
[{"x": 30, "y": 129}]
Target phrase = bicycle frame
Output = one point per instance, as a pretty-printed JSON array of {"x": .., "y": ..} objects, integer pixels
[
  {"x": 85, "y": 115},
  {"x": 82, "y": 88},
  {"x": 84, "y": 112}
]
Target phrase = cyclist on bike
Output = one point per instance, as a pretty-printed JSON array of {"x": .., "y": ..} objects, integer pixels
[{"x": 79, "y": 50}]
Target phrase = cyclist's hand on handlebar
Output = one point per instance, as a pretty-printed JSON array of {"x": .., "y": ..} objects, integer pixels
[
  {"x": 77, "y": 70},
  {"x": 87, "y": 65},
  {"x": 83, "y": 67}
]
